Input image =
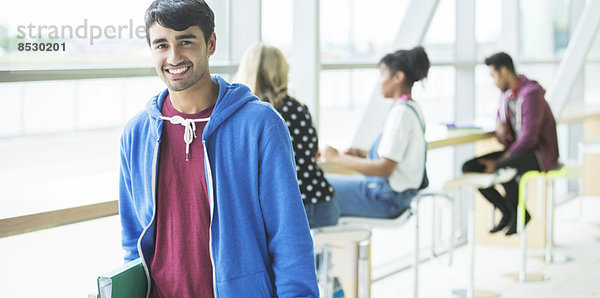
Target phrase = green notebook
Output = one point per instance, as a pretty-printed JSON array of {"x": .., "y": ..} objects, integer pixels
[{"x": 127, "y": 281}]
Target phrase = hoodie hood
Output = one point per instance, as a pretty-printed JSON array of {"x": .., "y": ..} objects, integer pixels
[
  {"x": 231, "y": 98},
  {"x": 530, "y": 87}
]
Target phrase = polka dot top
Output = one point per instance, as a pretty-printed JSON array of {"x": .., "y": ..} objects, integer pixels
[{"x": 314, "y": 187}]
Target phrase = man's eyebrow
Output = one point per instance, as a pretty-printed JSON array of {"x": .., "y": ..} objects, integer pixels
[
  {"x": 179, "y": 37},
  {"x": 159, "y": 40},
  {"x": 186, "y": 36}
]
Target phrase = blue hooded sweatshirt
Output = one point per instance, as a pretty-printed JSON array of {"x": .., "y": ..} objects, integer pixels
[{"x": 260, "y": 241}]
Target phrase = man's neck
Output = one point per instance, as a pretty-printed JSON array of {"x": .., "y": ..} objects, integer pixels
[
  {"x": 513, "y": 81},
  {"x": 196, "y": 98}
]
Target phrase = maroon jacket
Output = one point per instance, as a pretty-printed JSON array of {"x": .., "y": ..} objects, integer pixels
[{"x": 528, "y": 118}]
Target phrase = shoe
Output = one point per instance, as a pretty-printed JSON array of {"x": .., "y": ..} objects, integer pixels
[
  {"x": 502, "y": 224},
  {"x": 501, "y": 204},
  {"x": 513, "y": 227}
]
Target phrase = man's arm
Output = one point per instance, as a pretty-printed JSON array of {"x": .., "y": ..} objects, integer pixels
[
  {"x": 503, "y": 134},
  {"x": 130, "y": 226},
  {"x": 531, "y": 123},
  {"x": 288, "y": 235}
]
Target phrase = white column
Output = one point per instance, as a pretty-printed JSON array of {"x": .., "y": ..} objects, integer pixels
[
  {"x": 575, "y": 130},
  {"x": 305, "y": 63},
  {"x": 466, "y": 55},
  {"x": 572, "y": 62}
]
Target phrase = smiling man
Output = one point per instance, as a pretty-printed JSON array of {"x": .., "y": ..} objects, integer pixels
[{"x": 208, "y": 194}]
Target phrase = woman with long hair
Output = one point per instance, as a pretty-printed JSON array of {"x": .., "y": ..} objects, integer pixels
[{"x": 264, "y": 69}]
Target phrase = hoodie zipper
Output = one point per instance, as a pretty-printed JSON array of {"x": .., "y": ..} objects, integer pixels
[
  {"x": 211, "y": 204},
  {"x": 139, "y": 244}
]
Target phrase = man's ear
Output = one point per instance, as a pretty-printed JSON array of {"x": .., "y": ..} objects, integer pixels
[
  {"x": 399, "y": 77},
  {"x": 212, "y": 44},
  {"x": 503, "y": 71}
]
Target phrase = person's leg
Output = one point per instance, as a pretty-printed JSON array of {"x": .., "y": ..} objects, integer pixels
[
  {"x": 473, "y": 165},
  {"x": 522, "y": 162},
  {"x": 494, "y": 197},
  {"x": 396, "y": 203},
  {"x": 490, "y": 193},
  {"x": 322, "y": 214},
  {"x": 359, "y": 196},
  {"x": 512, "y": 200}
]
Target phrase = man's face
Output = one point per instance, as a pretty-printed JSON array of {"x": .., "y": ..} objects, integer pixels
[
  {"x": 180, "y": 57},
  {"x": 500, "y": 77}
]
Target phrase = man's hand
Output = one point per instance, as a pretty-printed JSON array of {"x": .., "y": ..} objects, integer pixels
[
  {"x": 490, "y": 165},
  {"x": 503, "y": 136}
]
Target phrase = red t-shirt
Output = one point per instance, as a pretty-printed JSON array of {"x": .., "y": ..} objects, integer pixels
[{"x": 181, "y": 265}]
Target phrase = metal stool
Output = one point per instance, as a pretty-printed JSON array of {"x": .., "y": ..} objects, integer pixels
[
  {"x": 370, "y": 223},
  {"x": 562, "y": 171},
  {"x": 324, "y": 237},
  {"x": 476, "y": 181}
]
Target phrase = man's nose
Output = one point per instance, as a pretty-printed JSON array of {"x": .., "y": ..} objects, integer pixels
[{"x": 175, "y": 56}]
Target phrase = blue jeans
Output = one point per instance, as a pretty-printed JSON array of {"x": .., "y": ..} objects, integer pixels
[
  {"x": 368, "y": 196},
  {"x": 322, "y": 213}
]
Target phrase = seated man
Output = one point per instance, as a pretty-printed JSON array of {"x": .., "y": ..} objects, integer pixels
[{"x": 527, "y": 129}]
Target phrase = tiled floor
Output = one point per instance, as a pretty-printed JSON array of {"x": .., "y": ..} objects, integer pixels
[{"x": 575, "y": 236}]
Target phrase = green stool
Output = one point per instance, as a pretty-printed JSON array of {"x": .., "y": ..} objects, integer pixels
[{"x": 562, "y": 171}]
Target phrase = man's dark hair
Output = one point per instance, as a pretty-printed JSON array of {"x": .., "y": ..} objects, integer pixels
[
  {"x": 413, "y": 63},
  {"x": 180, "y": 15},
  {"x": 501, "y": 59}
]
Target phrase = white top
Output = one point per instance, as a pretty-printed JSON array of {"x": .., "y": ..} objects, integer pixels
[{"x": 402, "y": 141}]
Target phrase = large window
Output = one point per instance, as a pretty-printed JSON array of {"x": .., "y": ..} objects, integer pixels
[
  {"x": 102, "y": 34},
  {"x": 487, "y": 97},
  {"x": 436, "y": 94},
  {"x": 441, "y": 36},
  {"x": 594, "y": 53},
  {"x": 592, "y": 89},
  {"x": 277, "y": 24},
  {"x": 60, "y": 141},
  {"x": 93, "y": 33},
  {"x": 592, "y": 72},
  {"x": 364, "y": 35},
  {"x": 344, "y": 96},
  {"x": 544, "y": 28},
  {"x": 488, "y": 30},
  {"x": 360, "y": 31}
]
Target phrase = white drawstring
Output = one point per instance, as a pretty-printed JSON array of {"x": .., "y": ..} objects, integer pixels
[{"x": 190, "y": 130}]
